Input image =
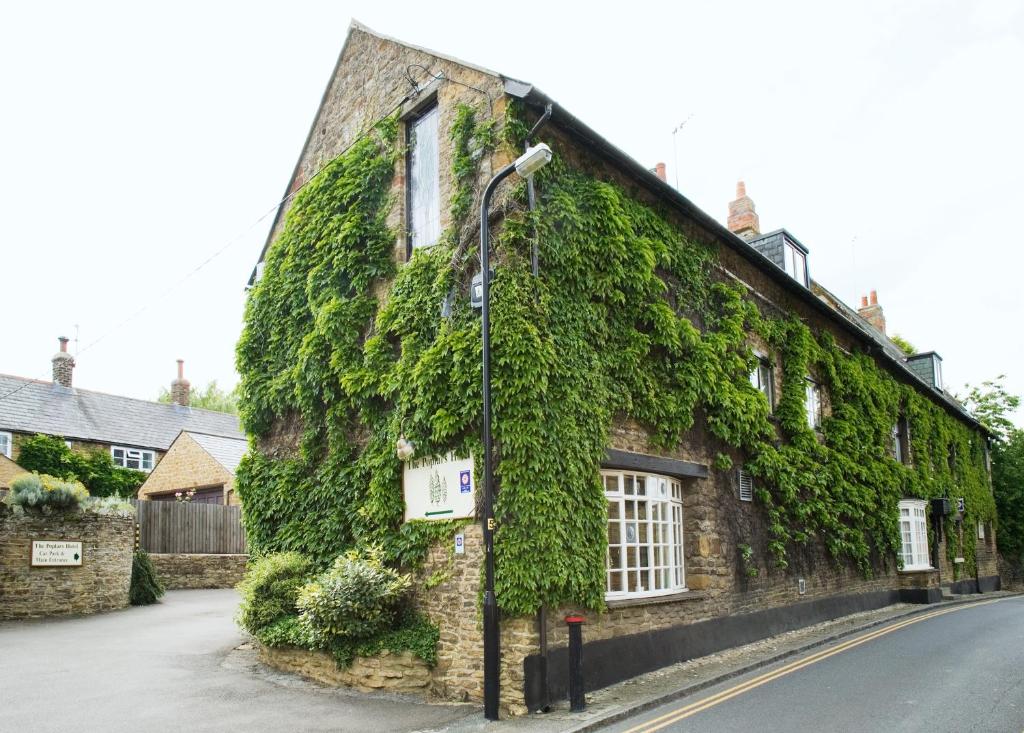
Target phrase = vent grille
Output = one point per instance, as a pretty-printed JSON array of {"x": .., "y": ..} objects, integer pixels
[{"x": 746, "y": 486}]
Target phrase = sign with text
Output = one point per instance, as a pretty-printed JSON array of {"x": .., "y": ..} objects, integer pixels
[
  {"x": 56, "y": 553},
  {"x": 438, "y": 487}
]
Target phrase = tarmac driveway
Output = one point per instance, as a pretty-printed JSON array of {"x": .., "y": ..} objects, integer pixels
[{"x": 176, "y": 666}]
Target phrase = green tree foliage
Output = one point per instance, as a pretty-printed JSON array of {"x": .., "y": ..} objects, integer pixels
[
  {"x": 146, "y": 587},
  {"x": 95, "y": 469},
  {"x": 905, "y": 346},
  {"x": 1008, "y": 486},
  {"x": 211, "y": 397},
  {"x": 992, "y": 405},
  {"x": 629, "y": 317}
]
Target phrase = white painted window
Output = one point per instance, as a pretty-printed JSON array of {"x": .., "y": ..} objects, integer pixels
[
  {"x": 914, "y": 535},
  {"x": 897, "y": 441},
  {"x": 761, "y": 380},
  {"x": 68, "y": 444},
  {"x": 812, "y": 403},
  {"x": 981, "y": 530},
  {"x": 795, "y": 263},
  {"x": 6, "y": 444},
  {"x": 938, "y": 371},
  {"x": 140, "y": 460},
  {"x": 645, "y": 534},
  {"x": 424, "y": 195}
]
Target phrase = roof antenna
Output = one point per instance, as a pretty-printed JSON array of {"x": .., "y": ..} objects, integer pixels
[{"x": 675, "y": 148}]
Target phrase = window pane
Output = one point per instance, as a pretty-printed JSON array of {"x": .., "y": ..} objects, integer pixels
[{"x": 424, "y": 181}]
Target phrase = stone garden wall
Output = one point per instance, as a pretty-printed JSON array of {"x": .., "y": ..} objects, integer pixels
[
  {"x": 385, "y": 672},
  {"x": 100, "y": 583},
  {"x": 199, "y": 571}
]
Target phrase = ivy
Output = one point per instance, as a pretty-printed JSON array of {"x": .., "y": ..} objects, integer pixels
[{"x": 629, "y": 318}]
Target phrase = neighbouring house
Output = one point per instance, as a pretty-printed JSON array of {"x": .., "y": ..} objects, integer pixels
[
  {"x": 696, "y": 444},
  {"x": 136, "y": 433},
  {"x": 8, "y": 470},
  {"x": 198, "y": 463}
]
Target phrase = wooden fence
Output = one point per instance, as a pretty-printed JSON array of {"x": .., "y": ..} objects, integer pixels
[{"x": 183, "y": 527}]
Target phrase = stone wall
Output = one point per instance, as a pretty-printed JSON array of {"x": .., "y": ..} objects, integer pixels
[
  {"x": 199, "y": 571},
  {"x": 101, "y": 582},
  {"x": 386, "y": 672}
]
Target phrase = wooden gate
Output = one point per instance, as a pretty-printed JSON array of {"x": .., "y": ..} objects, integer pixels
[{"x": 183, "y": 527}]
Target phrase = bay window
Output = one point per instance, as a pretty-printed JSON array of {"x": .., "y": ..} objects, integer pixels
[{"x": 645, "y": 534}]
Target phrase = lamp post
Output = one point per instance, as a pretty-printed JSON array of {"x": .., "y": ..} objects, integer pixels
[{"x": 525, "y": 165}]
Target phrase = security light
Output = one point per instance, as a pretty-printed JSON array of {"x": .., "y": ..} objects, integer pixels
[
  {"x": 404, "y": 449},
  {"x": 533, "y": 160}
]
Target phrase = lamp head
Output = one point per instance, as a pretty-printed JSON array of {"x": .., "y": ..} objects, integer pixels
[
  {"x": 404, "y": 449},
  {"x": 533, "y": 160}
]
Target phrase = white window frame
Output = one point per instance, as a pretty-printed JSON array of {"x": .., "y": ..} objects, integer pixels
[
  {"x": 812, "y": 403},
  {"x": 937, "y": 371},
  {"x": 128, "y": 455},
  {"x": 897, "y": 440},
  {"x": 424, "y": 220},
  {"x": 8, "y": 445},
  {"x": 914, "y": 553},
  {"x": 762, "y": 378},
  {"x": 795, "y": 263},
  {"x": 645, "y": 556},
  {"x": 981, "y": 530}
]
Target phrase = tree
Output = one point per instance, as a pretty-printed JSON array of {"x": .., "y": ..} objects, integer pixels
[
  {"x": 1008, "y": 487},
  {"x": 905, "y": 346},
  {"x": 96, "y": 470},
  {"x": 211, "y": 398},
  {"x": 992, "y": 405}
]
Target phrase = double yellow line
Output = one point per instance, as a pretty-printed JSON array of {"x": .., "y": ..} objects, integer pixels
[{"x": 709, "y": 702}]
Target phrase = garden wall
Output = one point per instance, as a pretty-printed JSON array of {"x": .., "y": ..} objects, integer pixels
[
  {"x": 199, "y": 571},
  {"x": 100, "y": 583}
]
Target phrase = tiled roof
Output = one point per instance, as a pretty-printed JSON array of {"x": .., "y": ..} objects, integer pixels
[
  {"x": 226, "y": 451},
  {"x": 33, "y": 406}
]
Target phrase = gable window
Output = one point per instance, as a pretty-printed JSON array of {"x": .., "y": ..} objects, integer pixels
[
  {"x": 761, "y": 380},
  {"x": 423, "y": 195},
  {"x": 795, "y": 263},
  {"x": 914, "y": 535},
  {"x": 645, "y": 534},
  {"x": 812, "y": 403},
  {"x": 6, "y": 444},
  {"x": 140, "y": 460}
]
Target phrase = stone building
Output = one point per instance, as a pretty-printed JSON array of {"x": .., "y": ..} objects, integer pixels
[
  {"x": 136, "y": 433},
  {"x": 685, "y": 566},
  {"x": 198, "y": 466}
]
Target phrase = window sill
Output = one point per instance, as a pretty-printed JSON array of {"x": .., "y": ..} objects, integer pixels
[
  {"x": 683, "y": 595},
  {"x": 915, "y": 571}
]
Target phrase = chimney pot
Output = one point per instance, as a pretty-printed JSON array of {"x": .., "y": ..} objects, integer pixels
[
  {"x": 63, "y": 364},
  {"x": 659, "y": 171},
  {"x": 863, "y": 301},
  {"x": 741, "y": 189},
  {"x": 743, "y": 220},
  {"x": 871, "y": 311},
  {"x": 180, "y": 387},
  {"x": 874, "y": 297}
]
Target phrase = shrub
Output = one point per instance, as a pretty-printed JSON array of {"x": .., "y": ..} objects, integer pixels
[
  {"x": 108, "y": 505},
  {"x": 96, "y": 470},
  {"x": 146, "y": 587},
  {"x": 357, "y": 598},
  {"x": 32, "y": 490},
  {"x": 270, "y": 589}
]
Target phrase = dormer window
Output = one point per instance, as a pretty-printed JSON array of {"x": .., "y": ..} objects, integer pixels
[
  {"x": 927, "y": 366},
  {"x": 795, "y": 263},
  {"x": 786, "y": 252}
]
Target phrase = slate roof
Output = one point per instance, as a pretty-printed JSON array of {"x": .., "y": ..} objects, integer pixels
[
  {"x": 34, "y": 406},
  {"x": 227, "y": 452}
]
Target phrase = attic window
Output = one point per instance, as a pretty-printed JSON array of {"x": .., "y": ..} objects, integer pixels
[
  {"x": 424, "y": 183},
  {"x": 795, "y": 263}
]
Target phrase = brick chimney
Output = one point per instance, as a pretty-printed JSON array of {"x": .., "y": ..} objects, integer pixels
[
  {"x": 659, "y": 171},
  {"x": 871, "y": 311},
  {"x": 63, "y": 364},
  {"x": 743, "y": 221},
  {"x": 180, "y": 387}
]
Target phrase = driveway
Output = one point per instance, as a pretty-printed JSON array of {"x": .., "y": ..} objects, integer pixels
[{"x": 176, "y": 666}]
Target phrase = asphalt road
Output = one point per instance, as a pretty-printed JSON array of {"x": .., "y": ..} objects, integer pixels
[
  {"x": 174, "y": 667},
  {"x": 959, "y": 668}
]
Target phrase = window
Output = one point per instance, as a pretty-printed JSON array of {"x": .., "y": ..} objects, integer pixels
[
  {"x": 140, "y": 460},
  {"x": 6, "y": 444},
  {"x": 897, "y": 440},
  {"x": 645, "y": 534},
  {"x": 68, "y": 444},
  {"x": 761, "y": 380},
  {"x": 981, "y": 530},
  {"x": 812, "y": 403},
  {"x": 746, "y": 482},
  {"x": 914, "y": 535},
  {"x": 795, "y": 263},
  {"x": 938, "y": 372},
  {"x": 424, "y": 198}
]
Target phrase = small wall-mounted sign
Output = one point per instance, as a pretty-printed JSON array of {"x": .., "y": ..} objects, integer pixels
[
  {"x": 960, "y": 506},
  {"x": 801, "y": 586},
  {"x": 56, "y": 553},
  {"x": 460, "y": 544},
  {"x": 958, "y": 560}
]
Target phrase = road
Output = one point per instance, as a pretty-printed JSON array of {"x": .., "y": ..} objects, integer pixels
[
  {"x": 174, "y": 666},
  {"x": 958, "y": 668}
]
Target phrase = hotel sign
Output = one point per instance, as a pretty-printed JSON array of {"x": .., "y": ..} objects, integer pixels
[
  {"x": 56, "y": 553},
  {"x": 439, "y": 487}
]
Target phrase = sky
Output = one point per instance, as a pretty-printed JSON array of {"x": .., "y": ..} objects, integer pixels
[{"x": 145, "y": 146}]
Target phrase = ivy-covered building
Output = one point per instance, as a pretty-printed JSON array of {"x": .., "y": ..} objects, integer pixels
[{"x": 696, "y": 444}]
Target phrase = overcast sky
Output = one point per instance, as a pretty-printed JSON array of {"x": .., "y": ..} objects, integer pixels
[{"x": 138, "y": 140}]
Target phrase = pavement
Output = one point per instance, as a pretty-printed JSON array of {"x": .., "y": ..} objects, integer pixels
[{"x": 182, "y": 665}]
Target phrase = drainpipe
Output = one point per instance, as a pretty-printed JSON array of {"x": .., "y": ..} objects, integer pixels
[{"x": 534, "y": 258}]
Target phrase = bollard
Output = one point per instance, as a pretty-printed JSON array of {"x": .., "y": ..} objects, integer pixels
[{"x": 577, "y": 700}]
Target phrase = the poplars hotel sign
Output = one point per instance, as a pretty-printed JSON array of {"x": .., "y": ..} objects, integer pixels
[
  {"x": 56, "y": 553},
  {"x": 438, "y": 487}
]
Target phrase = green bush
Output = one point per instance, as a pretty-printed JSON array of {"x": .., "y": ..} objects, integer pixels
[
  {"x": 146, "y": 587},
  {"x": 31, "y": 490},
  {"x": 96, "y": 470},
  {"x": 270, "y": 589},
  {"x": 357, "y": 598}
]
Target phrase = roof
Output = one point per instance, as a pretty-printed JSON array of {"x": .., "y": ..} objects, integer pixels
[
  {"x": 34, "y": 406},
  {"x": 226, "y": 451},
  {"x": 534, "y": 98}
]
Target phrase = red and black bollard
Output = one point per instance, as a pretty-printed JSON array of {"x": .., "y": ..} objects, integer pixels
[{"x": 577, "y": 700}]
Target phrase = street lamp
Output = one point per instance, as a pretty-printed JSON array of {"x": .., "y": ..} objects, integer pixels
[{"x": 525, "y": 165}]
